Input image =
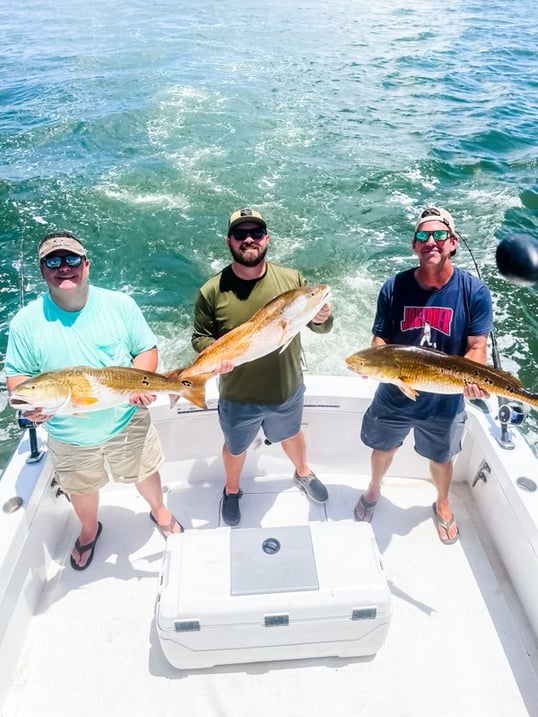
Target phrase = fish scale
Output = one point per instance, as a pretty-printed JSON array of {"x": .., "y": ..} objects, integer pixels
[
  {"x": 414, "y": 369},
  {"x": 83, "y": 388},
  {"x": 270, "y": 328}
]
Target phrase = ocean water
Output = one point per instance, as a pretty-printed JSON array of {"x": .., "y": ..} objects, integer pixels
[{"x": 140, "y": 125}]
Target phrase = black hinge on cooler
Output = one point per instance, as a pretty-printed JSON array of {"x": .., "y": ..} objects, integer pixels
[
  {"x": 364, "y": 613},
  {"x": 187, "y": 625},
  {"x": 276, "y": 620}
]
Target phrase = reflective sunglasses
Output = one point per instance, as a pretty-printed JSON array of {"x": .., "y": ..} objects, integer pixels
[
  {"x": 241, "y": 234},
  {"x": 438, "y": 235},
  {"x": 55, "y": 262}
]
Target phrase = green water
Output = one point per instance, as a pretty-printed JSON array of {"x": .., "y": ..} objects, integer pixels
[{"x": 140, "y": 126}]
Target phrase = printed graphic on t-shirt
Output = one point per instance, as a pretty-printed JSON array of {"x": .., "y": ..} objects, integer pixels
[
  {"x": 426, "y": 337},
  {"x": 428, "y": 319}
]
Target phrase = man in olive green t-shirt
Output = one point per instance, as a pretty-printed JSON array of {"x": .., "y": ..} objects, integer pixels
[{"x": 267, "y": 392}]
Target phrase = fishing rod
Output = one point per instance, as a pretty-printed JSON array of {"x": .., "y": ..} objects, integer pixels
[
  {"x": 517, "y": 260},
  {"x": 494, "y": 347},
  {"x": 21, "y": 273},
  {"x": 25, "y": 423},
  {"x": 508, "y": 413}
]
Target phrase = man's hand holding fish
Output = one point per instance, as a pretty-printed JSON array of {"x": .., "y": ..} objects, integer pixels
[
  {"x": 429, "y": 319},
  {"x": 65, "y": 328},
  {"x": 250, "y": 316}
]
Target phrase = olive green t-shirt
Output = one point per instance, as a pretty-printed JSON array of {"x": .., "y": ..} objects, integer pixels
[{"x": 226, "y": 301}]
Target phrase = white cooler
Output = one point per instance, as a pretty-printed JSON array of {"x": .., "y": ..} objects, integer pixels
[{"x": 248, "y": 595}]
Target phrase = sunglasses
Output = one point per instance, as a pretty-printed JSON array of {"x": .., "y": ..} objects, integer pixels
[
  {"x": 55, "y": 262},
  {"x": 438, "y": 235},
  {"x": 241, "y": 234}
]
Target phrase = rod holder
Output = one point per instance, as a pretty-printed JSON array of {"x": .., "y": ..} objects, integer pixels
[{"x": 35, "y": 454}]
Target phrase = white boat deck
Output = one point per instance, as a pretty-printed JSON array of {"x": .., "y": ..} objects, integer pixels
[{"x": 458, "y": 644}]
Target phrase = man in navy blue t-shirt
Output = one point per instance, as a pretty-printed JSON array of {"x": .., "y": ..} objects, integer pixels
[{"x": 439, "y": 306}]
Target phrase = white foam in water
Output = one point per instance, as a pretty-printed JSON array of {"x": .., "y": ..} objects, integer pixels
[{"x": 158, "y": 127}]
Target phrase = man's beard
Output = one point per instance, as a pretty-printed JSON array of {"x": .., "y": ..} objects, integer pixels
[{"x": 240, "y": 259}]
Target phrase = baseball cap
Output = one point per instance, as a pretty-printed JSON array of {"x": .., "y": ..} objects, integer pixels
[
  {"x": 245, "y": 215},
  {"x": 436, "y": 214},
  {"x": 60, "y": 240}
]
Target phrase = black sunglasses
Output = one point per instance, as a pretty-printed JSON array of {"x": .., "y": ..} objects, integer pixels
[
  {"x": 241, "y": 234},
  {"x": 55, "y": 262}
]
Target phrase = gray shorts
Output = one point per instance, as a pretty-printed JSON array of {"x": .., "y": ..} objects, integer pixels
[
  {"x": 131, "y": 455},
  {"x": 240, "y": 422},
  {"x": 437, "y": 440}
]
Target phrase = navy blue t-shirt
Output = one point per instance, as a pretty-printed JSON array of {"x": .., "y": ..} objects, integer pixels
[{"x": 441, "y": 319}]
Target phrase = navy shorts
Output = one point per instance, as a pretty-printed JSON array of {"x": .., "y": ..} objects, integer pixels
[
  {"x": 240, "y": 422},
  {"x": 436, "y": 439}
]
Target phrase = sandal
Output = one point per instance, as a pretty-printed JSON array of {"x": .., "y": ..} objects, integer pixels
[
  {"x": 364, "y": 510},
  {"x": 167, "y": 530},
  {"x": 81, "y": 549},
  {"x": 445, "y": 525}
]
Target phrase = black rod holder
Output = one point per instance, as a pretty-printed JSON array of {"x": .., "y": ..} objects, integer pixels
[{"x": 35, "y": 454}]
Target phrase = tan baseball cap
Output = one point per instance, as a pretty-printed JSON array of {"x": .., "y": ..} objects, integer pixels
[
  {"x": 436, "y": 214},
  {"x": 245, "y": 215},
  {"x": 60, "y": 240}
]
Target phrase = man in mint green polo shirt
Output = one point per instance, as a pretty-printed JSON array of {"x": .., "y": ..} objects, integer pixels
[{"x": 75, "y": 324}]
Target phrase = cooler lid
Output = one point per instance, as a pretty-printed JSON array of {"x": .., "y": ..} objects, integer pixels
[{"x": 271, "y": 560}]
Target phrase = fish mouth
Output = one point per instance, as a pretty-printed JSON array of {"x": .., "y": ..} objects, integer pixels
[
  {"x": 325, "y": 296},
  {"x": 16, "y": 402}
]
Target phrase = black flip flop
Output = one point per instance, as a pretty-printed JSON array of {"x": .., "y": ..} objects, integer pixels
[
  {"x": 84, "y": 549},
  {"x": 167, "y": 528},
  {"x": 364, "y": 510}
]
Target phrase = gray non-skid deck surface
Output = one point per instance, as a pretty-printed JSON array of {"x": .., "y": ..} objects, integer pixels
[{"x": 452, "y": 648}]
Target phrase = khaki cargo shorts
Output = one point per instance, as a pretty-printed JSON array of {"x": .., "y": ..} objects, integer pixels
[{"x": 131, "y": 455}]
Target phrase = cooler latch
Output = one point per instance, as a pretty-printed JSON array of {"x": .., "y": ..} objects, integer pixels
[
  {"x": 276, "y": 620},
  {"x": 364, "y": 613},
  {"x": 187, "y": 625}
]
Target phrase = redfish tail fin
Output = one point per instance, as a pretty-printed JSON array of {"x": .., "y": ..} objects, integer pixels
[
  {"x": 191, "y": 388},
  {"x": 194, "y": 389}
]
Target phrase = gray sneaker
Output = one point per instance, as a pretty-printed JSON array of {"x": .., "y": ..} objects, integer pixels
[{"x": 312, "y": 486}]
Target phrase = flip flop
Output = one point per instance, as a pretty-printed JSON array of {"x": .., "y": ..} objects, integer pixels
[
  {"x": 446, "y": 525},
  {"x": 167, "y": 530},
  {"x": 84, "y": 549},
  {"x": 364, "y": 510}
]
